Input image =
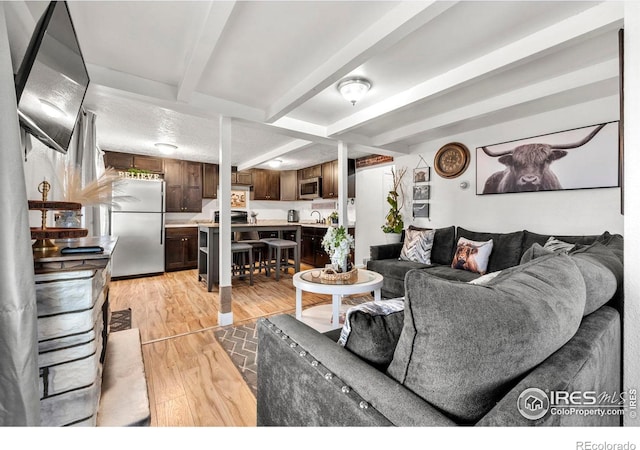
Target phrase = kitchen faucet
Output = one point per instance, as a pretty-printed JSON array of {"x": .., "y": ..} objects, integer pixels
[{"x": 319, "y": 215}]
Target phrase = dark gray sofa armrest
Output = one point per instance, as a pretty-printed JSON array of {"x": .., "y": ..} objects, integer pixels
[
  {"x": 295, "y": 391},
  {"x": 386, "y": 251},
  {"x": 590, "y": 361}
]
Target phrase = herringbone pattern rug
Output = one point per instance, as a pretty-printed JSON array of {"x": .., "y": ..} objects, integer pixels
[{"x": 241, "y": 344}]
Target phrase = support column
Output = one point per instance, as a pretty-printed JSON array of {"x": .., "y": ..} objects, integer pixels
[
  {"x": 225, "y": 313},
  {"x": 343, "y": 163}
]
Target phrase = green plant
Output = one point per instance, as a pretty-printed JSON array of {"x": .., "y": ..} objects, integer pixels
[
  {"x": 395, "y": 199},
  {"x": 334, "y": 216},
  {"x": 338, "y": 243}
]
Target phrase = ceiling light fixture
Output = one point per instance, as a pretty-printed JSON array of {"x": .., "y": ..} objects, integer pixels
[
  {"x": 353, "y": 89},
  {"x": 275, "y": 163},
  {"x": 166, "y": 149}
]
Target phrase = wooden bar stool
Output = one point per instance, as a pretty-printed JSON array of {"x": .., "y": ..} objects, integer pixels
[
  {"x": 242, "y": 255},
  {"x": 280, "y": 253}
]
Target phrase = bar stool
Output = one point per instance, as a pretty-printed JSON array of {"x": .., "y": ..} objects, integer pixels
[
  {"x": 279, "y": 254},
  {"x": 242, "y": 255},
  {"x": 259, "y": 248}
]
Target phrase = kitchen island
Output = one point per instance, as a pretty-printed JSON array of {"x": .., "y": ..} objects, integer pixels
[{"x": 209, "y": 245}]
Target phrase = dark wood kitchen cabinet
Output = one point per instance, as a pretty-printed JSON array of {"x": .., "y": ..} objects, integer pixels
[
  {"x": 310, "y": 172},
  {"x": 266, "y": 184},
  {"x": 125, "y": 161},
  {"x": 210, "y": 180},
  {"x": 289, "y": 185},
  {"x": 181, "y": 248},
  {"x": 183, "y": 181},
  {"x": 330, "y": 177}
]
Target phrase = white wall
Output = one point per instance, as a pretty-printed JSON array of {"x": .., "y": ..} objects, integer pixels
[
  {"x": 587, "y": 211},
  {"x": 631, "y": 350}
]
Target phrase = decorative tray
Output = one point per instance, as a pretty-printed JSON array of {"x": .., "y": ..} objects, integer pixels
[{"x": 345, "y": 277}]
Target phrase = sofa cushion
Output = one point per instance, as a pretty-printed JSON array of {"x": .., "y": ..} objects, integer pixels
[
  {"x": 417, "y": 246},
  {"x": 449, "y": 273},
  {"x": 464, "y": 345},
  {"x": 371, "y": 330},
  {"x": 531, "y": 238},
  {"x": 600, "y": 267},
  {"x": 614, "y": 242},
  {"x": 472, "y": 256},
  {"x": 507, "y": 247},
  {"x": 602, "y": 272},
  {"x": 393, "y": 268},
  {"x": 444, "y": 243}
]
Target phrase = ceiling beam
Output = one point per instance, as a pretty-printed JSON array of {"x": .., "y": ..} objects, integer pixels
[
  {"x": 381, "y": 35},
  {"x": 298, "y": 144},
  {"x": 602, "y": 17},
  {"x": 208, "y": 38},
  {"x": 572, "y": 80},
  {"x": 164, "y": 95}
]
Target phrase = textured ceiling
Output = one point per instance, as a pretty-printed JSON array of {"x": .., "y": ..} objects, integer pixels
[{"x": 166, "y": 71}]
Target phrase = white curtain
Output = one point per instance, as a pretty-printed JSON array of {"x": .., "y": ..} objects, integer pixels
[
  {"x": 85, "y": 155},
  {"x": 19, "y": 395}
]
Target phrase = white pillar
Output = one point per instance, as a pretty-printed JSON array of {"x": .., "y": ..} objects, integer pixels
[
  {"x": 342, "y": 184},
  {"x": 225, "y": 313},
  {"x": 631, "y": 349}
]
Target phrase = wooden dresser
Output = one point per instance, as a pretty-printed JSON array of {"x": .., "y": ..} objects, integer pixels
[{"x": 72, "y": 293}]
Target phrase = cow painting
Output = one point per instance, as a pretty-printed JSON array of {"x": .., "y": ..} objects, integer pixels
[
  {"x": 465, "y": 258},
  {"x": 528, "y": 167}
]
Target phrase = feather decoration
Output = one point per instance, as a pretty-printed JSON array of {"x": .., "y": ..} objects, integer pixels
[{"x": 102, "y": 191}]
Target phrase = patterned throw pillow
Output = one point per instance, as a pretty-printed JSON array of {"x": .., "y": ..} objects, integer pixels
[
  {"x": 472, "y": 255},
  {"x": 558, "y": 246},
  {"x": 417, "y": 246}
]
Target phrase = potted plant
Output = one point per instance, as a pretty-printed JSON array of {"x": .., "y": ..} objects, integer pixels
[
  {"x": 338, "y": 244},
  {"x": 394, "y": 224},
  {"x": 334, "y": 217}
]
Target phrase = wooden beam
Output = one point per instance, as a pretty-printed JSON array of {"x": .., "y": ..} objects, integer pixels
[
  {"x": 604, "y": 16},
  {"x": 381, "y": 35},
  {"x": 208, "y": 38}
]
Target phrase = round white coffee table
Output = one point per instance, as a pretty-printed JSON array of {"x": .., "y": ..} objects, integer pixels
[{"x": 367, "y": 281}]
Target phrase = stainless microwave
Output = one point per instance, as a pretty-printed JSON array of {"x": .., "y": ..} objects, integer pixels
[{"x": 310, "y": 188}]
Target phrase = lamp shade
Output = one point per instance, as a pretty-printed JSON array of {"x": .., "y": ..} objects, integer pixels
[{"x": 353, "y": 89}]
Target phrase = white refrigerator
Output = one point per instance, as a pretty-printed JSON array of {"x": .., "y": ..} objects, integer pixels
[{"x": 138, "y": 222}]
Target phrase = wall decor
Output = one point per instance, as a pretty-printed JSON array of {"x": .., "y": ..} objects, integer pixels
[
  {"x": 421, "y": 191},
  {"x": 580, "y": 158},
  {"x": 452, "y": 160},
  {"x": 421, "y": 174},
  {"x": 421, "y": 210}
]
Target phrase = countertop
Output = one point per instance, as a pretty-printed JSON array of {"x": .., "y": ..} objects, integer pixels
[
  {"x": 108, "y": 243},
  {"x": 260, "y": 222}
]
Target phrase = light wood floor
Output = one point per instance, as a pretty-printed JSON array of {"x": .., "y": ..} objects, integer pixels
[{"x": 191, "y": 379}]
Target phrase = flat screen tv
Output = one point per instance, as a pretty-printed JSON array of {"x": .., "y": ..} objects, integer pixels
[{"x": 52, "y": 79}]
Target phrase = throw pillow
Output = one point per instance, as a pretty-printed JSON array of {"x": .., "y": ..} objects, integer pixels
[
  {"x": 558, "y": 246},
  {"x": 472, "y": 255},
  {"x": 417, "y": 246},
  {"x": 463, "y": 346},
  {"x": 371, "y": 330}
]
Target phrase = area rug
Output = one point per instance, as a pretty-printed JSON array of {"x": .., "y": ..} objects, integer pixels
[
  {"x": 120, "y": 320},
  {"x": 241, "y": 344}
]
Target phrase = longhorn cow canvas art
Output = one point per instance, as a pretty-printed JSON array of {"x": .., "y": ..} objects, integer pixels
[{"x": 581, "y": 158}]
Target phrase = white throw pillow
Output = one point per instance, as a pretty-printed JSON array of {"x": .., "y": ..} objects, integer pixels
[{"x": 472, "y": 255}]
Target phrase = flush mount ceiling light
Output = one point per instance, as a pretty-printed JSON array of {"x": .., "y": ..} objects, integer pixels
[
  {"x": 275, "y": 163},
  {"x": 166, "y": 149},
  {"x": 353, "y": 89}
]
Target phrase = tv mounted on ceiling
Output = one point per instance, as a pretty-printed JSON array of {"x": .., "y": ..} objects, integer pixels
[{"x": 52, "y": 79}]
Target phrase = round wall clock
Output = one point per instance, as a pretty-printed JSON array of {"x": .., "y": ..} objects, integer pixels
[{"x": 452, "y": 160}]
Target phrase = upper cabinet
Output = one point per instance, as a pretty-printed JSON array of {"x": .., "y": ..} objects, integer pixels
[
  {"x": 209, "y": 181},
  {"x": 183, "y": 181},
  {"x": 126, "y": 161},
  {"x": 310, "y": 172},
  {"x": 266, "y": 184},
  {"x": 330, "y": 177},
  {"x": 289, "y": 185},
  {"x": 244, "y": 177}
]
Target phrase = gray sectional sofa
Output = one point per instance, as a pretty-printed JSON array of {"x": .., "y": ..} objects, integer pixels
[{"x": 458, "y": 352}]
